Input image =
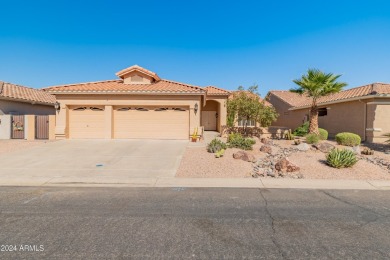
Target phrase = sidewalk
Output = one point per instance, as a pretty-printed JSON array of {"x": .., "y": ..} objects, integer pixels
[{"x": 266, "y": 183}]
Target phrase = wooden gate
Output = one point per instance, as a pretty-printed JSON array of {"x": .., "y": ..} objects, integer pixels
[
  {"x": 17, "y": 126},
  {"x": 41, "y": 127}
]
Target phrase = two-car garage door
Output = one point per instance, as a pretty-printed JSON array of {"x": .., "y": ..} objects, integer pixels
[{"x": 130, "y": 122}]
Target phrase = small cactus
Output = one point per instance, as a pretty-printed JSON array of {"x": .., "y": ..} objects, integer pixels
[{"x": 288, "y": 135}]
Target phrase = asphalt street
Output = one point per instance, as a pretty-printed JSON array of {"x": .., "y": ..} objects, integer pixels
[{"x": 193, "y": 223}]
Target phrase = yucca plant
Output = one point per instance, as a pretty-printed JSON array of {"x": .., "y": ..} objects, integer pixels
[{"x": 341, "y": 158}]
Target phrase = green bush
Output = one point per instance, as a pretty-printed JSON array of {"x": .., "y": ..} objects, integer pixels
[
  {"x": 312, "y": 138},
  {"x": 302, "y": 130},
  {"x": 348, "y": 139},
  {"x": 236, "y": 140},
  {"x": 341, "y": 158},
  {"x": 323, "y": 134},
  {"x": 216, "y": 145}
]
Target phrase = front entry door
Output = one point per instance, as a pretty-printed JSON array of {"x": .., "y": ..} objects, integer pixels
[{"x": 209, "y": 120}]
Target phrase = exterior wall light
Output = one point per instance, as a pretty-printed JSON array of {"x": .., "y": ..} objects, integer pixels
[
  {"x": 196, "y": 108},
  {"x": 57, "y": 106}
]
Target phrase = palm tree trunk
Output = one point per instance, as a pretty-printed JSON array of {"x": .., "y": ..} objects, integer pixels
[{"x": 313, "y": 125}]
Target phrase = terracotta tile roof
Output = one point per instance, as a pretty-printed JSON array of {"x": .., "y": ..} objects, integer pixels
[
  {"x": 293, "y": 99},
  {"x": 117, "y": 86},
  {"x": 211, "y": 90},
  {"x": 24, "y": 94},
  {"x": 137, "y": 68},
  {"x": 297, "y": 101}
]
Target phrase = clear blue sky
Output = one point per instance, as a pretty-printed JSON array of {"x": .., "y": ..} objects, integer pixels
[{"x": 221, "y": 43}]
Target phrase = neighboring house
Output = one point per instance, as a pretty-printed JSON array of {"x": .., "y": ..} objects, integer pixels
[
  {"x": 363, "y": 110},
  {"x": 137, "y": 105},
  {"x": 17, "y": 104}
]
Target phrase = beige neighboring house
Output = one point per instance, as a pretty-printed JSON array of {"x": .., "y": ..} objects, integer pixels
[
  {"x": 137, "y": 105},
  {"x": 363, "y": 110},
  {"x": 23, "y": 110}
]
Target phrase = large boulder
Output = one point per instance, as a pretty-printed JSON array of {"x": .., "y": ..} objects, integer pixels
[
  {"x": 266, "y": 149},
  {"x": 242, "y": 155},
  {"x": 303, "y": 147},
  {"x": 324, "y": 147},
  {"x": 285, "y": 165}
]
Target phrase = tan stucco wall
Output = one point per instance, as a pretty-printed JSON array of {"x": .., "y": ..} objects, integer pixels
[
  {"x": 61, "y": 130},
  {"x": 5, "y": 126},
  {"x": 29, "y": 129},
  {"x": 52, "y": 126},
  {"x": 21, "y": 108},
  {"x": 287, "y": 118},
  {"x": 143, "y": 79},
  {"x": 344, "y": 117},
  {"x": 220, "y": 107},
  {"x": 378, "y": 120}
]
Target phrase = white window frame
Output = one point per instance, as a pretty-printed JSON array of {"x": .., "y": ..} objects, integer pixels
[{"x": 242, "y": 121}]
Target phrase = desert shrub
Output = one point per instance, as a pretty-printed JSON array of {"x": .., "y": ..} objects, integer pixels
[
  {"x": 233, "y": 137},
  {"x": 341, "y": 158},
  {"x": 220, "y": 153},
  {"x": 312, "y": 138},
  {"x": 236, "y": 140},
  {"x": 348, "y": 139},
  {"x": 302, "y": 130},
  {"x": 216, "y": 145},
  {"x": 323, "y": 134}
]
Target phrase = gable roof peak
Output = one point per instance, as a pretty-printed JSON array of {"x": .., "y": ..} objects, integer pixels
[{"x": 140, "y": 69}]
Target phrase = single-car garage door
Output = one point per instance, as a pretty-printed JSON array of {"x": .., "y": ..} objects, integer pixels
[
  {"x": 86, "y": 122},
  {"x": 151, "y": 122}
]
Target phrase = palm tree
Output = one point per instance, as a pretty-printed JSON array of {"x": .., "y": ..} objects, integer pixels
[{"x": 317, "y": 84}]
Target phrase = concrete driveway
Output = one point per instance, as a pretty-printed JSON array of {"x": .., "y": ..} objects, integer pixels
[{"x": 93, "y": 161}]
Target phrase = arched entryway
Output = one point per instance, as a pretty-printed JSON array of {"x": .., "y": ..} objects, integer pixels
[{"x": 210, "y": 115}]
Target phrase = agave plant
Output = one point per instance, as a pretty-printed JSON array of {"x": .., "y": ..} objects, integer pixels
[{"x": 341, "y": 158}]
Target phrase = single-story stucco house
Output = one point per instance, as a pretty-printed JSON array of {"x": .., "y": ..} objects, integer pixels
[
  {"x": 137, "y": 105},
  {"x": 24, "y": 112},
  {"x": 362, "y": 110}
]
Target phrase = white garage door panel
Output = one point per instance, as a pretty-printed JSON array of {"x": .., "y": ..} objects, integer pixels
[
  {"x": 168, "y": 124},
  {"x": 86, "y": 124}
]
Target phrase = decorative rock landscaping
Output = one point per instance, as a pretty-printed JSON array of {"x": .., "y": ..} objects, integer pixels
[
  {"x": 266, "y": 149},
  {"x": 242, "y": 155},
  {"x": 277, "y": 164}
]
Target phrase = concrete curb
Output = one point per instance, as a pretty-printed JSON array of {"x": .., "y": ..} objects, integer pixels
[{"x": 266, "y": 183}]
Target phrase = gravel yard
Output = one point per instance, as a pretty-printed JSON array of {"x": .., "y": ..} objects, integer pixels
[
  {"x": 313, "y": 166},
  {"x": 7, "y": 146},
  {"x": 198, "y": 163}
]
